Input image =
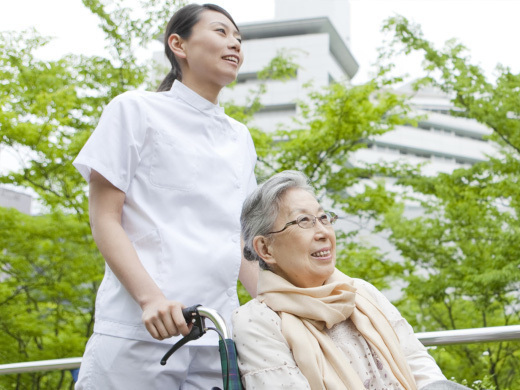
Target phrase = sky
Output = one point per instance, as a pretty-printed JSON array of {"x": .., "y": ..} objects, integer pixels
[{"x": 489, "y": 28}]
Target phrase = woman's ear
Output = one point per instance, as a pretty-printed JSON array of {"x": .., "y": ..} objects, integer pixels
[
  {"x": 176, "y": 44},
  {"x": 262, "y": 246}
]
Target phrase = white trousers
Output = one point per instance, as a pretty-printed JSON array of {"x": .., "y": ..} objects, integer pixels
[{"x": 113, "y": 363}]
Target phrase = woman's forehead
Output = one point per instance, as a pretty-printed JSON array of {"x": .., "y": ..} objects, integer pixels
[
  {"x": 299, "y": 201},
  {"x": 210, "y": 17}
]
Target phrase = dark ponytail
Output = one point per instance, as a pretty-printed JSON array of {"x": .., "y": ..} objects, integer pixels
[
  {"x": 182, "y": 23},
  {"x": 167, "y": 82}
]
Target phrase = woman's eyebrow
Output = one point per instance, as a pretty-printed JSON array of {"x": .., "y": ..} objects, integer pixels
[
  {"x": 227, "y": 26},
  {"x": 303, "y": 211}
]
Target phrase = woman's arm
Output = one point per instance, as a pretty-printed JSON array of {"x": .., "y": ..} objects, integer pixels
[
  {"x": 264, "y": 358},
  {"x": 162, "y": 318}
]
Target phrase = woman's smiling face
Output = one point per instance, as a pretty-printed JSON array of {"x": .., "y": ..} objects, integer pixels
[
  {"x": 304, "y": 257},
  {"x": 212, "y": 53}
]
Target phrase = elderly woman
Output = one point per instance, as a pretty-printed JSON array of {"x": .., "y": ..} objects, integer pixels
[{"x": 312, "y": 326}]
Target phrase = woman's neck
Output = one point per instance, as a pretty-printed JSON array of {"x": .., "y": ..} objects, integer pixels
[{"x": 208, "y": 92}]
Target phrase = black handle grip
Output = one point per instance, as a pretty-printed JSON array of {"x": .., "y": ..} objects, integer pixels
[{"x": 189, "y": 313}]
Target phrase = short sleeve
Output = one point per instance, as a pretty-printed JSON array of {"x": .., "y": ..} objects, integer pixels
[
  {"x": 264, "y": 358},
  {"x": 113, "y": 148}
]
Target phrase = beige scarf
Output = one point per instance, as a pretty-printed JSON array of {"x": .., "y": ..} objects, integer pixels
[{"x": 305, "y": 312}]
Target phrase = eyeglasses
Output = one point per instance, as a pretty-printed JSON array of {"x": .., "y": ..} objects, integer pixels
[{"x": 307, "y": 221}]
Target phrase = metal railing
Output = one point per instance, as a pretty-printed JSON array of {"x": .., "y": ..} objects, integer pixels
[
  {"x": 444, "y": 337},
  {"x": 468, "y": 336},
  {"x": 41, "y": 365}
]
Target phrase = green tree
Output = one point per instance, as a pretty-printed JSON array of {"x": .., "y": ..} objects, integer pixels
[
  {"x": 463, "y": 252},
  {"x": 50, "y": 268},
  {"x": 336, "y": 122},
  {"x": 50, "y": 274}
]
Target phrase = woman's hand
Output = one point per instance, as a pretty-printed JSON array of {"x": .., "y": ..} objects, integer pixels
[{"x": 164, "y": 319}]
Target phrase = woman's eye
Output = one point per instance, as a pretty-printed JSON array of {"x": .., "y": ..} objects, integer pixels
[
  {"x": 221, "y": 30},
  {"x": 324, "y": 218},
  {"x": 304, "y": 218},
  {"x": 239, "y": 40}
]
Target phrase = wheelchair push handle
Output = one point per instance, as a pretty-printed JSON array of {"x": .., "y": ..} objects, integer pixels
[
  {"x": 220, "y": 324},
  {"x": 190, "y": 313},
  {"x": 195, "y": 315}
]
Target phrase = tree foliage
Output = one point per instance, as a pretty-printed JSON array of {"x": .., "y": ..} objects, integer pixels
[
  {"x": 336, "y": 122},
  {"x": 463, "y": 251},
  {"x": 50, "y": 268},
  {"x": 50, "y": 273}
]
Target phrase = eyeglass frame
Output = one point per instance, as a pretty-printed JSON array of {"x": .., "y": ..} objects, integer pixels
[{"x": 332, "y": 216}]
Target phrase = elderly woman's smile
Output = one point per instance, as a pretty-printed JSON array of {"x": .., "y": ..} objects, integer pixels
[
  {"x": 304, "y": 256},
  {"x": 324, "y": 254}
]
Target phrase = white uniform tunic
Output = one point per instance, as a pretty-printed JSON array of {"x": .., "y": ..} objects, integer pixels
[{"x": 185, "y": 168}]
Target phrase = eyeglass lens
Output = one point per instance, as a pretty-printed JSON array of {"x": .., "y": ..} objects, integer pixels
[{"x": 307, "y": 221}]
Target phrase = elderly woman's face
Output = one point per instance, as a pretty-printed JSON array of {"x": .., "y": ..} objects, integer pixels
[{"x": 304, "y": 257}]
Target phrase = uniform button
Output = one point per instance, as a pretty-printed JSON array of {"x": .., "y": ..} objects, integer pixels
[
  {"x": 237, "y": 184},
  {"x": 230, "y": 292},
  {"x": 234, "y": 238}
]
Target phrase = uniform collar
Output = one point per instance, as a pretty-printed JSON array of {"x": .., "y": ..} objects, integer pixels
[{"x": 194, "y": 99}]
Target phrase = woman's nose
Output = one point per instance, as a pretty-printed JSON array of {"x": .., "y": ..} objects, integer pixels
[
  {"x": 320, "y": 229},
  {"x": 235, "y": 44}
]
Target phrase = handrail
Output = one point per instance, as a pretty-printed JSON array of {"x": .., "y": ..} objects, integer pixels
[
  {"x": 40, "y": 365},
  {"x": 443, "y": 337},
  {"x": 467, "y": 336}
]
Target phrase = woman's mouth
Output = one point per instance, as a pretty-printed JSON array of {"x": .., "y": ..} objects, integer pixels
[
  {"x": 322, "y": 253},
  {"x": 233, "y": 59}
]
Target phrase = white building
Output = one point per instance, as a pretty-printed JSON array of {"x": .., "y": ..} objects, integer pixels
[
  {"x": 443, "y": 141},
  {"x": 318, "y": 35},
  {"x": 15, "y": 199}
]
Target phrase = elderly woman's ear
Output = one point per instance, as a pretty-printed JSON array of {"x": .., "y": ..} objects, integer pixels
[{"x": 262, "y": 246}]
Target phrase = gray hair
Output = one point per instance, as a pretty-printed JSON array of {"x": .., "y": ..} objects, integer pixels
[{"x": 262, "y": 206}]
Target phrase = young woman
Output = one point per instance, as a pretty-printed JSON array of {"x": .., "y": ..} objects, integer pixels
[{"x": 168, "y": 172}]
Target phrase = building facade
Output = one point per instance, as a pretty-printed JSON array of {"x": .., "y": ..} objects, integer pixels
[
  {"x": 15, "y": 199},
  {"x": 441, "y": 141},
  {"x": 318, "y": 37},
  {"x": 317, "y": 40}
]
